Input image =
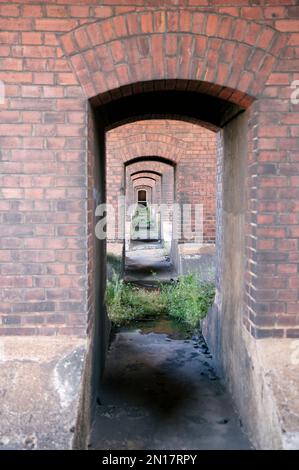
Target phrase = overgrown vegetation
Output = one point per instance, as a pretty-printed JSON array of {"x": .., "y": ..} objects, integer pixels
[
  {"x": 126, "y": 302},
  {"x": 189, "y": 299},
  {"x": 186, "y": 300}
]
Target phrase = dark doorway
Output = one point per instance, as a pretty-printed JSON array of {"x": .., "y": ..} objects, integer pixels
[
  {"x": 142, "y": 197},
  {"x": 186, "y": 103}
]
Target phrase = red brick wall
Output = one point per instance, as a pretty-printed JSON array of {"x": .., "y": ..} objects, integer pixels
[
  {"x": 229, "y": 49},
  {"x": 194, "y": 181},
  {"x": 43, "y": 129}
]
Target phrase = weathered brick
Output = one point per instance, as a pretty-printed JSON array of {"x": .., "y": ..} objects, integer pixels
[
  {"x": 58, "y": 25},
  {"x": 32, "y": 38},
  {"x": 44, "y": 127}
]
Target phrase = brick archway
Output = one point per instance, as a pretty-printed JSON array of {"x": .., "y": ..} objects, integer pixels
[
  {"x": 145, "y": 174},
  {"x": 146, "y": 164},
  {"x": 144, "y": 183},
  {"x": 57, "y": 61},
  {"x": 231, "y": 57},
  {"x": 120, "y": 60},
  {"x": 162, "y": 172},
  {"x": 210, "y": 54},
  {"x": 135, "y": 154},
  {"x": 141, "y": 145},
  {"x": 189, "y": 147}
]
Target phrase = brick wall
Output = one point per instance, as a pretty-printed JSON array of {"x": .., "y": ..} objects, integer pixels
[
  {"x": 56, "y": 55},
  {"x": 191, "y": 148},
  {"x": 43, "y": 174}
]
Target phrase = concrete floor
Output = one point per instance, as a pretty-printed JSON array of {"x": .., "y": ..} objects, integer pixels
[{"x": 160, "y": 392}]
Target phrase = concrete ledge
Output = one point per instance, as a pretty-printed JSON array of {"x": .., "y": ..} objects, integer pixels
[
  {"x": 40, "y": 391},
  {"x": 197, "y": 258},
  {"x": 279, "y": 359},
  {"x": 196, "y": 249},
  {"x": 262, "y": 376}
]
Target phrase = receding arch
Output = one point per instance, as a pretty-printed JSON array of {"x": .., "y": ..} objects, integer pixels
[
  {"x": 108, "y": 114},
  {"x": 196, "y": 67},
  {"x": 147, "y": 171},
  {"x": 151, "y": 158},
  {"x": 144, "y": 177}
]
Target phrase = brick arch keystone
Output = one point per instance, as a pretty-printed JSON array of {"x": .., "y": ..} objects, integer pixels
[{"x": 230, "y": 53}]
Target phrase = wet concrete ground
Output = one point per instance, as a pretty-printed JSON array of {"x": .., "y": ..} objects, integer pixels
[
  {"x": 160, "y": 392},
  {"x": 147, "y": 263}
]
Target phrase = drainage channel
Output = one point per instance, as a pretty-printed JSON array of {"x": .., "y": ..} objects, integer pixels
[{"x": 160, "y": 392}]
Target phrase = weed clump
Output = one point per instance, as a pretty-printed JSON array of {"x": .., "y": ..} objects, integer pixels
[
  {"x": 186, "y": 300},
  {"x": 189, "y": 299},
  {"x": 126, "y": 303}
]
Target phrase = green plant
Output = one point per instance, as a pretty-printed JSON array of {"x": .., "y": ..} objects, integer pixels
[
  {"x": 186, "y": 300},
  {"x": 126, "y": 303},
  {"x": 189, "y": 299}
]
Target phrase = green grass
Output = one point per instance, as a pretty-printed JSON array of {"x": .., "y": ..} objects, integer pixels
[
  {"x": 126, "y": 303},
  {"x": 114, "y": 265},
  {"x": 187, "y": 300}
]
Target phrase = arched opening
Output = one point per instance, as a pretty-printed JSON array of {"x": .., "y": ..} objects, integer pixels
[
  {"x": 198, "y": 64},
  {"x": 229, "y": 121},
  {"x": 149, "y": 196},
  {"x": 142, "y": 197}
]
